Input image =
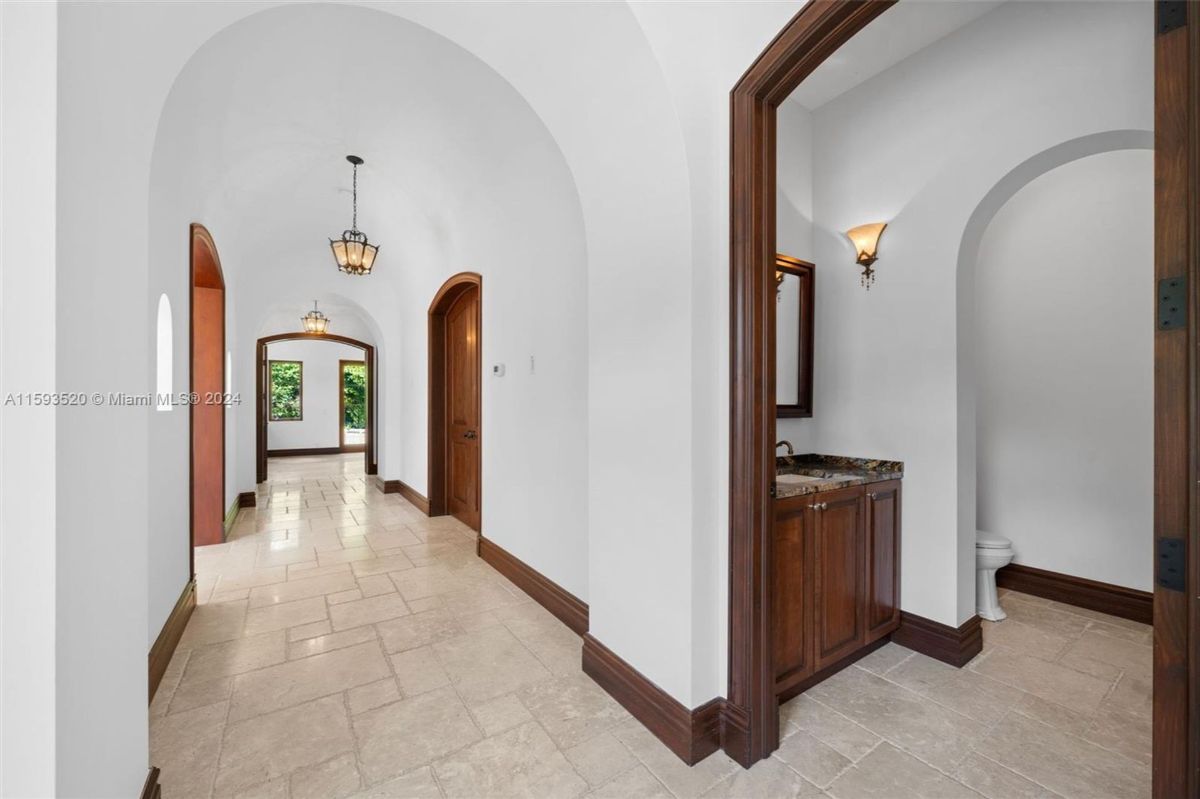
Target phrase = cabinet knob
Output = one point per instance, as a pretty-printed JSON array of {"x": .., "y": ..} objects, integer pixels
[{"x": 871, "y": 495}]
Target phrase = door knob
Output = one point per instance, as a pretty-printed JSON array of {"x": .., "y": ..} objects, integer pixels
[{"x": 470, "y": 434}]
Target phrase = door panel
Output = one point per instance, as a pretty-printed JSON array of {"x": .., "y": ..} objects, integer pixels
[
  {"x": 792, "y": 587},
  {"x": 208, "y": 418},
  {"x": 839, "y": 532},
  {"x": 462, "y": 404},
  {"x": 883, "y": 558}
]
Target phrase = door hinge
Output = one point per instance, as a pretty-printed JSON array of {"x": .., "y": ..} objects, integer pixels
[
  {"x": 1170, "y": 566},
  {"x": 1172, "y": 303},
  {"x": 1170, "y": 14}
]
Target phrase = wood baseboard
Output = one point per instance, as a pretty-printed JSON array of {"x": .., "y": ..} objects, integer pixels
[
  {"x": 168, "y": 637},
  {"x": 691, "y": 734},
  {"x": 151, "y": 789},
  {"x": 953, "y": 645},
  {"x": 230, "y": 518},
  {"x": 405, "y": 490},
  {"x": 288, "y": 453},
  {"x": 247, "y": 499},
  {"x": 1116, "y": 600},
  {"x": 570, "y": 609}
]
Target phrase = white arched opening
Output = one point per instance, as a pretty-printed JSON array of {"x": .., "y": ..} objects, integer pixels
[{"x": 164, "y": 360}]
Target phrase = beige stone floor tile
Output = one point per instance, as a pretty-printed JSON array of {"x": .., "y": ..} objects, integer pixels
[
  {"x": 271, "y": 789},
  {"x": 920, "y": 673},
  {"x": 1093, "y": 648},
  {"x": 975, "y": 696},
  {"x": 252, "y": 579},
  {"x": 376, "y": 584},
  {"x": 1123, "y": 731},
  {"x": 1051, "y": 681},
  {"x": 346, "y": 555},
  {"x": 298, "y": 681},
  {"x": 424, "y": 581},
  {"x": 1133, "y": 693},
  {"x": 994, "y": 781},
  {"x": 826, "y": 725},
  {"x": 416, "y": 784},
  {"x": 413, "y": 732},
  {"x": 344, "y": 596},
  {"x": 172, "y": 676},
  {"x": 1074, "y": 722},
  {"x": 937, "y": 735},
  {"x": 418, "y": 629},
  {"x": 1044, "y": 616},
  {"x": 185, "y": 746},
  {"x": 367, "y": 611},
  {"x": 1064, "y": 763},
  {"x": 311, "y": 630},
  {"x": 817, "y": 762},
  {"x": 396, "y": 562},
  {"x": 766, "y": 779},
  {"x": 599, "y": 758},
  {"x": 373, "y": 695},
  {"x": 266, "y": 747},
  {"x": 304, "y": 588},
  {"x": 888, "y": 773},
  {"x": 637, "y": 782},
  {"x": 289, "y": 614},
  {"x": 392, "y": 539},
  {"x": 1128, "y": 631},
  {"x": 210, "y": 624},
  {"x": 488, "y": 663},
  {"x": 418, "y": 671},
  {"x": 327, "y": 643},
  {"x": 235, "y": 657},
  {"x": 571, "y": 709},
  {"x": 333, "y": 779},
  {"x": 1027, "y": 639},
  {"x": 886, "y": 657},
  {"x": 681, "y": 780},
  {"x": 520, "y": 762},
  {"x": 500, "y": 714},
  {"x": 199, "y": 693},
  {"x": 304, "y": 571},
  {"x": 218, "y": 597}
]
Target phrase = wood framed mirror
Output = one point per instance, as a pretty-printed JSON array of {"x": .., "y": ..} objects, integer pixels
[{"x": 793, "y": 336}]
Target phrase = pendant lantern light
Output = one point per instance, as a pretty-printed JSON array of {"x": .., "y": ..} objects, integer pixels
[
  {"x": 315, "y": 321},
  {"x": 353, "y": 253}
]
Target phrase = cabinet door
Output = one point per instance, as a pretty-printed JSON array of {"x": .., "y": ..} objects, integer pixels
[
  {"x": 791, "y": 606},
  {"x": 839, "y": 531},
  {"x": 883, "y": 558}
]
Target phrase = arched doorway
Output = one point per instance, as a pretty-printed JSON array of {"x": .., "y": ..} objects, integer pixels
[
  {"x": 207, "y": 386},
  {"x": 370, "y": 464},
  {"x": 455, "y": 403}
]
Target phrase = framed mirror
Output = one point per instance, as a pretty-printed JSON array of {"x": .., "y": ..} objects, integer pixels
[{"x": 793, "y": 336}]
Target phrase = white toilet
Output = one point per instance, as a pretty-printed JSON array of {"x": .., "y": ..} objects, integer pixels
[{"x": 991, "y": 552}]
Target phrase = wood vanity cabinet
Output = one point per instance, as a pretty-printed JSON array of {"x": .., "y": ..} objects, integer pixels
[{"x": 836, "y": 578}]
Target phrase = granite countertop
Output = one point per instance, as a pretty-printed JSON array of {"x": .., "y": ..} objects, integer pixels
[{"x": 796, "y": 475}]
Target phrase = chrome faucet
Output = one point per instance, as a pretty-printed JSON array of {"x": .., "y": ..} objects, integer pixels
[{"x": 787, "y": 444}]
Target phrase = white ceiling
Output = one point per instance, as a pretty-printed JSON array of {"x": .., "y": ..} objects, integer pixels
[{"x": 902, "y": 30}]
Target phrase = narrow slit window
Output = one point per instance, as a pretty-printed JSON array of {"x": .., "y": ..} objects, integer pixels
[
  {"x": 164, "y": 361},
  {"x": 286, "y": 391}
]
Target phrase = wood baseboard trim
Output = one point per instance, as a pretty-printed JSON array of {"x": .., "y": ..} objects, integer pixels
[
  {"x": 230, "y": 517},
  {"x": 168, "y": 637},
  {"x": 953, "y": 645},
  {"x": 247, "y": 499},
  {"x": 570, "y": 609},
  {"x": 691, "y": 734},
  {"x": 151, "y": 789},
  {"x": 289, "y": 453},
  {"x": 405, "y": 490},
  {"x": 1115, "y": 600}
]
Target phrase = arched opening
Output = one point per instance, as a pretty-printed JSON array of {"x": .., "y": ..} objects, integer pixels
[
  {"x": 263, "y": 399},
  {"x": 455, "y": 406},
  {"x": 207, "y": 388}
]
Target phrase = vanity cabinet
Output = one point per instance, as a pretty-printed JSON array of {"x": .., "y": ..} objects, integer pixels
[{"x": 835, "y": 581}]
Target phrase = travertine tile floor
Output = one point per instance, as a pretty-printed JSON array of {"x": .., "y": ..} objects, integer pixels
[{"x": 348, "y": 646}]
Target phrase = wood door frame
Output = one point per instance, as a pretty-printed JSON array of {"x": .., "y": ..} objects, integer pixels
[
  {"x": 342, "y": 406},
  {"x": 370, "y": 463},
  {"x": 198, "y": 235},
  {"x": 750, "y": 720},
  {"x": 443, "y": 300}
]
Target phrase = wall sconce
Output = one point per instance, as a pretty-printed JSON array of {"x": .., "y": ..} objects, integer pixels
[{"x": 866, "y": 240}]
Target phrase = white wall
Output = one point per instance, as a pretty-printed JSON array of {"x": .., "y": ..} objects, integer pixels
[
  {"x": 1066, "y": 370},
  {"x": 921, "y": 146},
  {"x": 28, "y": 489},
  {"x": 321, "y": 385}
]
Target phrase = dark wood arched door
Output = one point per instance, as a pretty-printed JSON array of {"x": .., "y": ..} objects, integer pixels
[{"x": 207, "y": 386}]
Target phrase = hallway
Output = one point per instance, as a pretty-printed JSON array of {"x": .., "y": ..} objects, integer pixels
[{"x": 346, "y": 645}]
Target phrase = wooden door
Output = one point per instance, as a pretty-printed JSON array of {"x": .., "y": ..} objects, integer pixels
[
  {"x": 839, "y": 530},
  {"x": 883, "y": 559},
  {"x": 792, "y": 591},
  {"x": 462, "y": 408}
]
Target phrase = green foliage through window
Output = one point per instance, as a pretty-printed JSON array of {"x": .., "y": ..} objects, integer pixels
[
  {"x": 354, "y": 384},
  {"x": 286, "y": 390}
]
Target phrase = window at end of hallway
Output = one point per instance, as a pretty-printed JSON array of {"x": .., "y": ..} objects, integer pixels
[
  {"x": 162, "y": 377},
  {"x": 287, "y": 391}
]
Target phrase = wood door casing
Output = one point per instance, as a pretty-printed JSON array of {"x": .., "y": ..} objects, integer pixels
[
  {"x": 792, "y": 589},
  {"x": 342, "y": 364},
  {"x": 462, "y": 408},
  {"x": 882, "y": 559},
  {"x": 839, "y": 530}
]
